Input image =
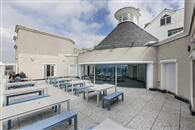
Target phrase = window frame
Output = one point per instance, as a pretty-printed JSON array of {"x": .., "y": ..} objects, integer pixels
[{"x": 165, "y": 19}]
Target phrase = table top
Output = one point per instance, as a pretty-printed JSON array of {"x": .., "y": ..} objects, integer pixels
[
  {"x": 79, "y": 81},
  {"x": 21, "y": 109},
  {"x": 64, "y": 79},
  {"x": 100, "y": 87},
  {"x": 109, "y": 125},
  {"x": 23, "y": 90}
]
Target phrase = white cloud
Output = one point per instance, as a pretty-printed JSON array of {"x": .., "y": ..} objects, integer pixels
[{"x": 46, "y": 16}]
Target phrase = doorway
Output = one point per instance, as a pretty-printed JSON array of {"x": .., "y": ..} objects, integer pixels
[{"x": 169, "y": 77}]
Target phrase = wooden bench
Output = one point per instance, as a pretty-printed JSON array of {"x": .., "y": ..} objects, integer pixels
[
  {"x": 53, "y": 121},
  {"x": 111, "y": 97}
]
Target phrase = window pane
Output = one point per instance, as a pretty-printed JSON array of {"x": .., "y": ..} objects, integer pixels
[
  {"x": 105, "y": 74},
  {"x": 8, "y": 70},
  {"x": 168, "y": 19},
  {"x": 169, "y": 33},
  {"x": 124, "y": 17},
  {"x": 131, "y": 75},
  {"x": 48, "y": 70},
  {"x": 162, "y": 21},
  {"x": 52, "y": 70}
]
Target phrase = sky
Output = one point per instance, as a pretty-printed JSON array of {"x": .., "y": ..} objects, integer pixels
[{"x": 86, "y": 22}]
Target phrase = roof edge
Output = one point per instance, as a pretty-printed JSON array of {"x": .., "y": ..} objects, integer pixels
[
  {"x": 165, "y": 9},
  {"x": 41, "y": 32}
]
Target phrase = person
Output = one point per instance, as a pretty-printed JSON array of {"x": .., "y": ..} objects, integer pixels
[
  {"x": 22, "y": 75},
  {"x": 12, "y": 77},
  {"x": 17, "y": 78}
]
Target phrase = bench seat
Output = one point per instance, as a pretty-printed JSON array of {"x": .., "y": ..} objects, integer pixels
[
  {"x": 25, "y": 99},
  {"x": 51, "y": 122},
  {"x": 111, "y": 97},
  {"x": 79, "y": 90}
]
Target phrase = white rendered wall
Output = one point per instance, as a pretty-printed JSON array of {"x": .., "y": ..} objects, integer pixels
[{"x": 161, "y": 32}]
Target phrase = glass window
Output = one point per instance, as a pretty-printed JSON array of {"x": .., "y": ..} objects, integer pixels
[
  {"x": 166, "y": 19},
  {"x": 125, "y": 17},
  {"x": 174, "y": 31},
  {"x": 49, "y": 70},
  {"x": 9, "y": 69},
  {"x": 162, "y": 22}
]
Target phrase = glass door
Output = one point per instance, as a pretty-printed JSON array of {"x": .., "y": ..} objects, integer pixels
[{"x": 49, "y": 70}]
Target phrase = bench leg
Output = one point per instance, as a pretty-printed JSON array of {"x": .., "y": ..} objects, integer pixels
[
  {"x": 39, "y": 92},
  {"x": 83, "y": 95},
  {"x": 55, "y": 108},
  {"x": 122, "y": 97},
  {"x": 9, "y": 124},
  {"x": 7, "y": 101},
  {"x": 75, "y": 122},
  {"x": 103, "y": 103},
  {"x": 109, "y": 105},
  {"x": 70, "y": 121},
  {"x": 59, "y": 108}
]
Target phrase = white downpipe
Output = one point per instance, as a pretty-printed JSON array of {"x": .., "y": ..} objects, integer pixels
[
  {"x": 94, "y": 74},
  {"x": 115, "y": 78}
]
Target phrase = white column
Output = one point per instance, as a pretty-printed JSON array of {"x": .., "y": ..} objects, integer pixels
[
  {"x": 115, "y": 78},
  {"x": 94, "y": 74},
  {"x": 149, "y": 76},
  {"x": 161, "y": 76},
  {"x": 2, "y": 89},
  {"x": 2, "y": 85}
]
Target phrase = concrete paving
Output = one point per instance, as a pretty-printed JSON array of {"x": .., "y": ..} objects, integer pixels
[{"x": 141, "y": 110}]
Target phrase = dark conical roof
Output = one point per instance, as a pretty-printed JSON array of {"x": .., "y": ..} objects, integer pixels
[{"x": 126, "y": 34}]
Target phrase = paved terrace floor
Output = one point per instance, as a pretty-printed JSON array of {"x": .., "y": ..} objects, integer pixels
[{"x": 140, "y": 110}]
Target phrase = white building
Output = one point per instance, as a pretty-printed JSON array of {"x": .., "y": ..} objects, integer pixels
[{"x": 166, "y": 24}]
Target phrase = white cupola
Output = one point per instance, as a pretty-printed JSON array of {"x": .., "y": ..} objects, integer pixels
[{"x": 128, "y": 14}]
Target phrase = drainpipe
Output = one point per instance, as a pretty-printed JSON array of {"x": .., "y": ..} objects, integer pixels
[{"x": 115, "y": 78}]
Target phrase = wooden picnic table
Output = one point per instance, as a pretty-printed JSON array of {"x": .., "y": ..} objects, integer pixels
[
  {"x": 99, "y": 88},
  {"x": 17, "y": 110}
]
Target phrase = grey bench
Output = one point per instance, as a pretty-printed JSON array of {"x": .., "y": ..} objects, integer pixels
[
  {"x": 79, "y": 90},
  {"x": 52, "y": 122},
  {"x": 19, "y": 85},
  {"x": 111, "y": 97},
  {"x": 63, "y": 85},
  {"x": 25, "y": 99}
]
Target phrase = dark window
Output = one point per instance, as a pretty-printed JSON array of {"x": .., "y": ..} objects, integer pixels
[
  {"x": 166, "y": 19},
  {"x": 174, "y": 31},
  {"x": 162, "y": 22}
]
